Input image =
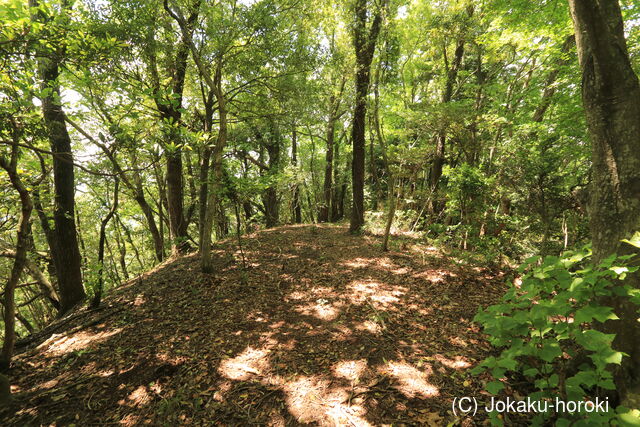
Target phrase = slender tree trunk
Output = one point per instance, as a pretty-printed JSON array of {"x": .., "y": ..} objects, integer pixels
[
  {"x": 171, "y": 113},
  {"x": 550, "y": 86},
  {"x": 46, "y": 287},
  {"x": 335, "y": 215},
  {"x": 122, "y": 250},
  {"x": 22, "y": 246},
  {"x": 97, "y": 297},
  {"x": 222, "y": 221},
  {"x": 161, "y": 206},
  {"x": 216, "y": 174},
  {"x": 441, "y": 139},
  {"x": 158, "y": 245},
  {"x": 325, "y": 208},
  {"x": 175, "y": 200},
  {"x": 270, "y": 196},
  {"x": 297, "y": 209},
  {"x": 66, "y": 257},
  {"x": 204, "y": 188},
  {"x": 611, "y": 98},
  {"x": 193, "y": 192},
  {"x": 205, "y": 160},
  {"x": 129, "y": 239},
  {"x": 391, "y": 213},
  {"x": 364, "y": 42}
]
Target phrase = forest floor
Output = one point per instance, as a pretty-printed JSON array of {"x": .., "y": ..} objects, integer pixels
[{"x": 319, "y": 328}]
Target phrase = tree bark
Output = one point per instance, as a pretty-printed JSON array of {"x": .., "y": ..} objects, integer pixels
[
  {"x": 22, "y": 245},
  {"x": 611, "y": 98},
  {"x": 441, "y": 139},
  {"x": 270, "y": 195},
  {"x": 324, "y": 213},
  {"x": 66, "y": 256},
  {"x": 170, "y": 113},
  {"x": 335, "y": 214},
  {"x": 205, "y": 162},
  {"x": 364, "y": 42},
  {"x": 297, "y": 209},
  {"x": 97, "y": 297},
  {"x": 216, "y": 174},
  {"x": 325, "y": 208}
]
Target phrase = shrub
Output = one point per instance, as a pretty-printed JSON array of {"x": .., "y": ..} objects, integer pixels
[{"x": 545, "y": 330}]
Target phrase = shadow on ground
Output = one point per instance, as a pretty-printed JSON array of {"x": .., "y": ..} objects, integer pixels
[{"x": 320, "y": 328}]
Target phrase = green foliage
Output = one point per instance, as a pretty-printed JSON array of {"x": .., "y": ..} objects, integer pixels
[
  {"x": 467, "y": 185},
  {"x": 545, "y": 327}
]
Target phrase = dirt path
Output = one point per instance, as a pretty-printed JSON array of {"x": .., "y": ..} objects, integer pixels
[{"x": 321, "y": 328}]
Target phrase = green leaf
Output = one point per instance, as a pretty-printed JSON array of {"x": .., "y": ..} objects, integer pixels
[
  {"x": 634, "y": 240},
  {"x": 600, "y": 313},
  {"x": 549, "y": 351},
  {"x": 628, "y": 417},
  {"x": 494, "y": 387}
]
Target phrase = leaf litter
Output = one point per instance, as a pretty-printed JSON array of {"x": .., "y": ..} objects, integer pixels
[{"x": 320, "y": 328}]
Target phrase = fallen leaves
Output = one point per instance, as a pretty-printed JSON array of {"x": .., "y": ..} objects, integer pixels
[{"x": 322, "y": 328}]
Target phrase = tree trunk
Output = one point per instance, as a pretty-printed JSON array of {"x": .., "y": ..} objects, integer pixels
[
  {"x": 325, "y": 208},
  {"x": 611, "y": 98},
  {"x": 297, "y": 209},
  {"x": 175, "y": 200},
  {"x": 97, "y": 297},
  {"x": 158, "y": 245},
  {"x": 170, "y": 112},
  {"x": 393, "y": 202},
  {"x": 335, "y": 214},
  {"x": 441, "y": 140},
  {"x": 22, "y": 245},
  {"x": 215, "y": 175},
  {"x": 66, "y": 257},
  {"x": 364, "y": 43},
  {"x": 270, "y": 196}
]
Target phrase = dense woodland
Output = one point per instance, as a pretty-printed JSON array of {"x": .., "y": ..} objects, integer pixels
[{"x": 136, "y": 134}]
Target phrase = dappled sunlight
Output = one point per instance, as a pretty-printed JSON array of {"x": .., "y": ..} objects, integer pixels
[
  {"x": 322, "y": 292},
  {"x": 434, "y": 276},
  {"x": 356, "y": 263},
  {"x": 130, "y": 420},
  {"x": 257, "y": 316},
  {"x": 400, "y": 270},
  {"x": 313, "y": 400},
  {"x": 345, "y": 336},
  {"x": 421, "y": 250},
  {"x": 275, "y": 325},
  {"x": 340, "y": 333},
  {"x": 140, "y": 396},
  {"x": 351, "y": 370},
  {"x": 47, "y": 385},
  {"x": 457, "y": 341},
  {"x": 140, "y": 299},
  {"x": 369, "y": 326},
  {"x": 381, "y": 296},
  {"x": 409, "y": 380},
  {"x": 310, "y": 399},
  {"x": 424, "y": 311},
  {"x": 58, "y": 345},
  {"x": 379, "y": 263},
  {"x": 320, "y": 309},
  {"x": 296, "y": 296},
  {"x": 249, "y": 363},
  {"x": 459, "y": 362}
]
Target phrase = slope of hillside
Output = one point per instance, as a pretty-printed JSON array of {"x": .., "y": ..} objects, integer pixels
[{"x": 319, "y": 327}]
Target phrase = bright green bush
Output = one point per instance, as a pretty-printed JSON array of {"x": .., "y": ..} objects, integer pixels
[{"x": 544, "y": 326}]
